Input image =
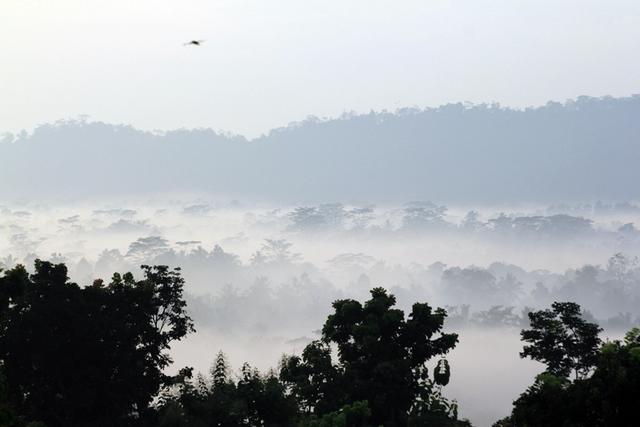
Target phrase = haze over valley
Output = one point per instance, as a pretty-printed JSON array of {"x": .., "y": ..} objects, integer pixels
[{"x": 370, "y": 213}]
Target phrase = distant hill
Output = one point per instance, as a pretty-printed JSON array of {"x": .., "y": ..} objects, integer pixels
[{"x": 585, "y": 149}]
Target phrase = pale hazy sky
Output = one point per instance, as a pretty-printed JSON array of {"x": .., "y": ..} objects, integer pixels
[{"x": 269, "y": 62}]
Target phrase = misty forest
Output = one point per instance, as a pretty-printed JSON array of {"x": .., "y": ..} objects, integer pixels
[
  {"x": 319, "y": 213},
  {"x": 154, "y": 287}
]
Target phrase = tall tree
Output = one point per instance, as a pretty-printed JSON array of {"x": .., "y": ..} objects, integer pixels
[
  {"x": 88, "y": 356},
  {"x": 220, "y": 370},
  {"x": 609, "y": 397},
  {"x": 381, "y": 357},
  {"x": 562, "y": 339}
]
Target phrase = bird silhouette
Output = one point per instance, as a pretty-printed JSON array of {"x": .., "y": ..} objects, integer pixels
[{"x": 194, "y": 43}]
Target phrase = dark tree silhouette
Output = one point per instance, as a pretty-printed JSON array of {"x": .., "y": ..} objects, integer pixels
[
  {"x": 314, "y": 380},
  {"x": 220, "y": 370},
  {"x": 562, "y": 339},
  {"x": 252, "y": 400},
  {"x": 609, "y": 397},
  {"x": 94, "y": 356},
  {"x": 381, "y": 358}
]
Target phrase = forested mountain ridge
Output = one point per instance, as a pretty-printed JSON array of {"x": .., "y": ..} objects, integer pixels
[{"x": 585, "y": 149}]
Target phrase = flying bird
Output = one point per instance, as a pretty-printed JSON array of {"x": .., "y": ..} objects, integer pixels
[{"x": 194, "y": 43}]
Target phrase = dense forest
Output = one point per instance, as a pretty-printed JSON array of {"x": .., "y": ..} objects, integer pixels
[
  {"x": 97, "y": 355},
  {"x": 319, "y": 214},
  {"x": 269, "y": 258},
  {"x": 453, "y": 153},
  {"x": 261, "y": 279}
]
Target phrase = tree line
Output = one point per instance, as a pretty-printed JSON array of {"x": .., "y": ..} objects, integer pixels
[
  {"x": 97, "y": 356},
  {"x": 449, "y": 147}
]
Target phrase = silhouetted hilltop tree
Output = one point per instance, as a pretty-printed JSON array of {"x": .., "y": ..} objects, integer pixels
[
  {"x": 562, "y": 339},
  {"x": 380, "y": 378},
  {"x": 609, "y": 396},
  {"x": 75, "y": 356},
  {"x": 381, "y": 360}
]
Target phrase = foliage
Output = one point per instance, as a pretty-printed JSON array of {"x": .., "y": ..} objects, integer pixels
[
  {"x": 252, "y": 400},
  {"x": 88, "y": 356},
  {"x": 8, "y": 416},
  {"x": 562, "y": 339},
  {"x": 76, "y": 356},
  {"x": 542, "y": 404},
  {"x": 381, "y": 359},
  {"x": 314, "y": 380},
  {"x": 608, "y": 397},
  {"x": 356, "y": 414}
]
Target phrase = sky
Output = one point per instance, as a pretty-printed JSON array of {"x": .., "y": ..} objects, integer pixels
[{"x": 266, "y": 63}]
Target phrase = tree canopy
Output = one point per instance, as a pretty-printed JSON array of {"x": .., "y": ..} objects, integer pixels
[
  {"x": 562, "y": 339},
  {"x": 95, "y": 355},
  {"x": 605, "y": 393},
  {"x": 381, "y": 359},
  {"x": 76, "y": 356}
]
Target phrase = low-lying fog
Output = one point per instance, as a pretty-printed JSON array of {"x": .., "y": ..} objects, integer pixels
[{"x": 261, "y": 279}]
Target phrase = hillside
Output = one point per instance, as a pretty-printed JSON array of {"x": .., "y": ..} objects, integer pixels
[{"x": 586, "y": 149}]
